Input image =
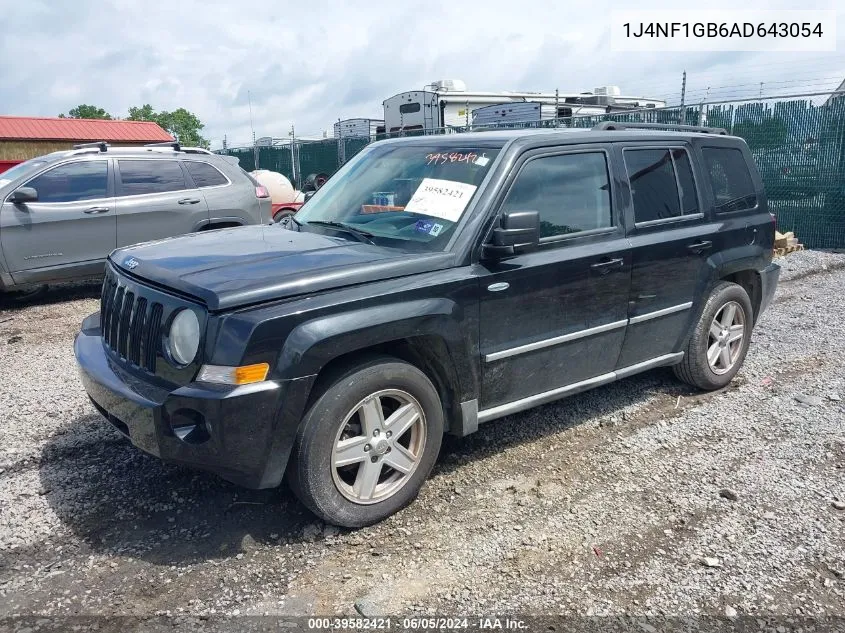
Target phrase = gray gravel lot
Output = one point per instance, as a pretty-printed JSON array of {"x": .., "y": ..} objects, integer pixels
[{"x": 641, "y": 497}]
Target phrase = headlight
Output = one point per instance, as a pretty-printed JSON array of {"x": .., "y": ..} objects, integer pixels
[{"x": 183, "y": 341}]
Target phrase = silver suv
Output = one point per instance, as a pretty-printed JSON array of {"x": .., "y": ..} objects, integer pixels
[{"x": 63, "y": 213}]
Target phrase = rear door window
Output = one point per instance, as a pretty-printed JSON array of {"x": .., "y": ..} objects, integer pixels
[
  {"x": 730, "y": 179},
  {"x": 73, "y": 182},
  {"x": 204, "y": 175},
  {"x": 662, "y": 183},
  {"x": 150, "y": 176}
]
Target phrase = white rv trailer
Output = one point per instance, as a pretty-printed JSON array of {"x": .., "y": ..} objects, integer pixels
[
  {"x": 515, "y": 111},
  {"x": 447, "y": 103},
  {"x": 360, "y": 128}
]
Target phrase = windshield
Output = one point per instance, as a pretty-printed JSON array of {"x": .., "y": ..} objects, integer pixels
[
  {"x": 19, "y": 170},
  {"x": 405, "y": 196}
]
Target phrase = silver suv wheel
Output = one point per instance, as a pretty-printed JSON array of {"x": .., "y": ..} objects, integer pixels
[
  {"x": 378, "y": 446},
  {"x": 725, "y": 341}
]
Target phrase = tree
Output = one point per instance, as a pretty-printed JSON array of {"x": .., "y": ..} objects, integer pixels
[
  {"x": 85, "y": 111},
  {"x": 185, "y": 125},
  {"x": 144, "y": 113}
]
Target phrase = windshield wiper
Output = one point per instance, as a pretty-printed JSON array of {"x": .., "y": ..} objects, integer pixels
[{"x": 344, "y": 227}]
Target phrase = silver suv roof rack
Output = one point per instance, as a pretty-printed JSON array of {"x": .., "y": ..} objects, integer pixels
[
  {"x": 178, "y": 148},
  {"x": 101, "y": 145},
  {"x": 613, "y": 125},
  {"x": 174, "y": 144}
]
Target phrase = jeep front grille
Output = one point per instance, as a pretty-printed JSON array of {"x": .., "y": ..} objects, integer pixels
[{"x": 130, "y": 325}]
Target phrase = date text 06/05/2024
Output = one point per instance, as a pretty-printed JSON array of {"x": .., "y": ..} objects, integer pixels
[{"x": 417, "y": 624}]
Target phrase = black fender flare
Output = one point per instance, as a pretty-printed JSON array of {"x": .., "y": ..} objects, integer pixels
[{"x": 313, "y": 344}]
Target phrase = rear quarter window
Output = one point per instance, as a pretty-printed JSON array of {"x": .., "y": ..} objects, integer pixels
[
  {"x": 205, "y": 175},
  {"x": 729, "y": 178}
]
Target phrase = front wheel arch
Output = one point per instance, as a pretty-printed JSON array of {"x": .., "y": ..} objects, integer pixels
[
  {"x": 429, "y": 354},
  {"x": 212, "y": 226}
]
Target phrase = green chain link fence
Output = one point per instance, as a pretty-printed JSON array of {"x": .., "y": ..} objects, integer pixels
[
  {"x": 799, "y": 147},
  {"x": 312, "y": 157}
]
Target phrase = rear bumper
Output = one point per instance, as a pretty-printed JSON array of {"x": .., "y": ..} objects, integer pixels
[
  {"x": 769, "y": 277},
  {"x": 244, "y": 434}
]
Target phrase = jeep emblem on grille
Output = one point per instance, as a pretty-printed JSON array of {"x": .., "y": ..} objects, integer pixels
[{"x": 132, "y": 263}]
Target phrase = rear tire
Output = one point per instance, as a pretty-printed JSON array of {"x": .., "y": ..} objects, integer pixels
[
  {"x": 367, "y": 444},
  {"x": 719, "y": 341}
]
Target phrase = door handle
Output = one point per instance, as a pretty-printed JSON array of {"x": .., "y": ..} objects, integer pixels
[
  {"x": 605, "y": 266},
  {"x": 94, "y": 210},
  {"x": 700, "y": 247},
  {"x": 189, "y": 201}
]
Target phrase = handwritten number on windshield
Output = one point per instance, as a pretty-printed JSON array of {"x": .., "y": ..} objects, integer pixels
[{"x": 441, "y": 158}]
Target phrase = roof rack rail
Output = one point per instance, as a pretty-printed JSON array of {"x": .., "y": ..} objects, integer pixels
[
  {"x": 613, "y": 125},
  {"x": 101, "y": 145},
  {"x": 174, "y": 144},
  {"x": 195, "y": 150}
]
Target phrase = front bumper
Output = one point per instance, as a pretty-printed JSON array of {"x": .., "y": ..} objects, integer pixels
[
  {"x": 244, "y": 434},
  {"x": 769, "y": 282}
]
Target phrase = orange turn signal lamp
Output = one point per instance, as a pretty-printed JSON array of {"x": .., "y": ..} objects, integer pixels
[{"x": 244, "y": 375}]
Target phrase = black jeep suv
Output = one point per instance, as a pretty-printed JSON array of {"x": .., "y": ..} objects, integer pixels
[{"x": 434, "y": 283}]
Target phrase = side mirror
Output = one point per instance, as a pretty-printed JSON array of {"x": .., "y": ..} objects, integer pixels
[
  {"x": 23, "y": 195},
  {"x": 314, "y": 181},
  {"x": 518, "y": 232}
]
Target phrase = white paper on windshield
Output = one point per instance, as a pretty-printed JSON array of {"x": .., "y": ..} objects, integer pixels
[{"x": 444, "y": 199}]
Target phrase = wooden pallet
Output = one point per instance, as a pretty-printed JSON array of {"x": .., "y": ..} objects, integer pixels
[
  {"x": 786, "y": 243},
  {"x": 782, "y": 240},
  {"x": 786, "y": 250}
]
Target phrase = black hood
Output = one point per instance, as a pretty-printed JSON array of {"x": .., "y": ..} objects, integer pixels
[{"x": 246, "y": 265}]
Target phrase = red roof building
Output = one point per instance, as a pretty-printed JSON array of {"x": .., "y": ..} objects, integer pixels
[
  {"x": 22, "y": 138},
  {"x": 20, "y": 128}
]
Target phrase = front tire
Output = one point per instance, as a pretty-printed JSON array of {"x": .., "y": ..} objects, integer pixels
[
  {"x": 283, "y": 214},
  {"x": 368, "y": 443},
  {"x": 720, "y": 339}
]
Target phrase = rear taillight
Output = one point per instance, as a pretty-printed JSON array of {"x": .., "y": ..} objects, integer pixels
[{"x": 261, "y": 192}]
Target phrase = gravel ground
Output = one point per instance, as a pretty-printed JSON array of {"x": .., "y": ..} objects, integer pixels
[{"x": 641, "y": 497}]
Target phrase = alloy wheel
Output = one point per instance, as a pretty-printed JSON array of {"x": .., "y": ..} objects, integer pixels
[
  {"x": 725, "y": 339},
  {"x": 378, "y": 446}
]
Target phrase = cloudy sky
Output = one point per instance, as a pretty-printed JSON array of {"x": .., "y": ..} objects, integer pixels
[{"x": 311, "y": 62}]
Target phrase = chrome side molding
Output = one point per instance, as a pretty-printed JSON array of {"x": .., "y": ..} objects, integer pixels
[
  {"x": 659, "y": 313},
  {"x": 555, "y": 394},
  {"x": 574, "y": 336},
  {"x": 557, "y": 340}
]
